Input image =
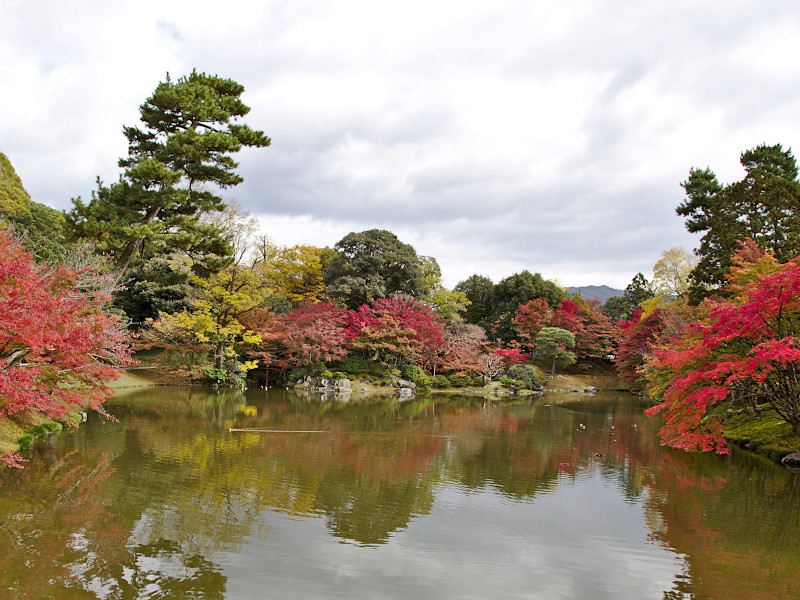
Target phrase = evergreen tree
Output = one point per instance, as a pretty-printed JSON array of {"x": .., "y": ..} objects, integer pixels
[
  {"x": 182, "y": 150},
  {"x": 373, "y": 264},
  {"x": 763, "y": 206}
]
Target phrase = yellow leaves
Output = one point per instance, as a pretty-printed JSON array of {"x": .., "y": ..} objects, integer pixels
[
  {"x": 295, "y": 273},
  {"x": 671, "y": 271}
]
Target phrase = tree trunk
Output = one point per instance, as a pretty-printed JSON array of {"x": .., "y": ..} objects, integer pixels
[
  {"x": 553, "y": 370},
  {"x": 220, "y": 354},
  {"x": 127, "y": 254}
]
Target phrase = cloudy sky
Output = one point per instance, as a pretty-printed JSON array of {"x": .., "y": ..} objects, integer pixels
[{"x": 495, "y": 135}]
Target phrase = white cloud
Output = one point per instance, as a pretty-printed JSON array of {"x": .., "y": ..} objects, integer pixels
[{"x": 494, "y": 136}]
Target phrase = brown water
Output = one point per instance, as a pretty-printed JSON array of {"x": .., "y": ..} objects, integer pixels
[{"x": 462, "y": 497}]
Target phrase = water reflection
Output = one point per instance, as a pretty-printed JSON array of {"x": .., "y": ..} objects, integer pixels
[{"x": 558, "y": 497}]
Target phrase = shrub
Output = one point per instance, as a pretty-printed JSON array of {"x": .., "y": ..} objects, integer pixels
[
  {"x": 377, "y": 369},
  {"x": 295, "y": 374},
  {"x": 25, "y": 441},
  {"x": 216, "y": 375},
  {"x": 416, "y": 375},
  {"x": 477, "y": 381},
  {"x": 513, "y": 384},
  {"x": 526, "y": 374},
  {"x": 460, "y": 380},
  {"x": 339, "y": 375},
  {"x": 440, "y": 382},
  {"x": 354, "y": 365}
]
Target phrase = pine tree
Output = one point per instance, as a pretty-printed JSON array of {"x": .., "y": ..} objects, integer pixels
[{"x": 180, "y": 153}]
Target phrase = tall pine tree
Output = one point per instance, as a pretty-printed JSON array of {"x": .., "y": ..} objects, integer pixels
[
  {"x": 177, "y": 159},
  {"x": 763, "y": 206}
]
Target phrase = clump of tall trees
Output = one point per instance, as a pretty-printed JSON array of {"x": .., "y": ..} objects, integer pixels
[{"x": 723, "y": 337}]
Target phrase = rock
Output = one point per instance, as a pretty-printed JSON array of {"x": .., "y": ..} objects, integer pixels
[
  {"x": 343, "y": 383},
  {"x": 590, "y": 390},
  {"x": 791, "y": 460},
  {"x": 405, "y": 384}
]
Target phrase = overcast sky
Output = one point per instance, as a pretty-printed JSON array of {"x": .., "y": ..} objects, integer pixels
[{"x": 494, "y": 135}]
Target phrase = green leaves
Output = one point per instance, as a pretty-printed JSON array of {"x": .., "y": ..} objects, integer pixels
[
  {"x": 180, "y": 153},
  {"x": 764, "y": 206}
]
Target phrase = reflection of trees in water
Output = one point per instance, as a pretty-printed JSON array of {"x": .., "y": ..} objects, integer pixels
[
  {"x": 733, "y": 519},
  {"x": 73, "y": 543},
  {"x": 370, "y": 510},
  {"x": 172, "y": 486}
]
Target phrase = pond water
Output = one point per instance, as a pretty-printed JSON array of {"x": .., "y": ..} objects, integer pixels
[{"x": 552, "y": 497}]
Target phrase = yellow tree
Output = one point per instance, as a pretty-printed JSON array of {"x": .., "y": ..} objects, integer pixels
[
  {"x": 295, "y": 273},
  {"x": 212, "y": 324},
  {"x": 670, "y": 278}
]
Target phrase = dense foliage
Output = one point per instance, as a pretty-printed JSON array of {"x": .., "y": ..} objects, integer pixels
[
  {"x": 763, "y": 206},
  {"x": 184, "y": 147},
  {"x": 743, "y": 348},
  {"x": 58, "y": 344}
]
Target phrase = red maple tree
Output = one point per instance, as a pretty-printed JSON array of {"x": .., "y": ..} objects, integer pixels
[
  {"x": 744, "y": 347},
  {"x": 59, "y": 346}
]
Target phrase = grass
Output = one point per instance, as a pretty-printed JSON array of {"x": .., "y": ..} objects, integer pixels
[
  {"x": 572, "y": 382},
  {"x": 767, "y": 433},
  {"x": 19, "y": 431}
]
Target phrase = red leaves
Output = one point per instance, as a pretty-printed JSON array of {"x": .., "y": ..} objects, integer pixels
[
  {"x": 746, "y": 343},
  {"x": 595, "y": 335},
  {"x": 512, "y": 356},
  {"x": 313, "y": 334},
  {"x": 398, "y": 325},
  {"x": 58, "y": 346}
]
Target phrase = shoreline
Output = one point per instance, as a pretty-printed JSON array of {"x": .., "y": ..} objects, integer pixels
[{"x": 762, "y": 434}]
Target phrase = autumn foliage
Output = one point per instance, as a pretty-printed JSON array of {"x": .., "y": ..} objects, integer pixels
[
  {"x": 58, "y": 346},
  {"x": 743, "y": 348}
]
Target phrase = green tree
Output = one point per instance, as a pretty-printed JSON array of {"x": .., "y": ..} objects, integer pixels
[
  {"x": 373, "y": 264},
  {"x": 554, "y": 344},
  {"x": 763, "y": 206},
  {"x": 183, "y": 149},
  {"x": 42, "y": 227},
  {"x": 516, "y": 290},
  {"x": 617, "y": 308},
  {"x": 478, "y": 289},
  {"x": 159, "y": 284},
  {"x": 638, "y": 290},
  {"x": 448, "y": 304}
]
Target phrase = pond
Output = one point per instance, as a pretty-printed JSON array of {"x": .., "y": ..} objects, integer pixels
[{"x": 239, "y": 495}]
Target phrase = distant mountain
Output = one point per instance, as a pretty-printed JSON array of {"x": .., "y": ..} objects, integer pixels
[{"x": 596, "y": 292}]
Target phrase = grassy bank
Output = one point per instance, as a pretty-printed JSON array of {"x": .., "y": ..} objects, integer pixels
[
  {"x": 765, "y": 433},
  {"x": 19, "y": 431}
]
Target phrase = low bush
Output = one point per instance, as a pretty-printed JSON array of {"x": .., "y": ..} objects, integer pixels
[
  {"x": 25, "y": 441},
  {"x": 377, "y": 369},
  {"x": 440, "y": 382},
  {"x": 459, "y": 380},
  {"x": 295, "y": 374},
  {"x": 354, "y": 365},
  {"x": 416, "y": 375},
  {"x": 526, "y": 374},
  {"x": 512, "y": 384}
]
